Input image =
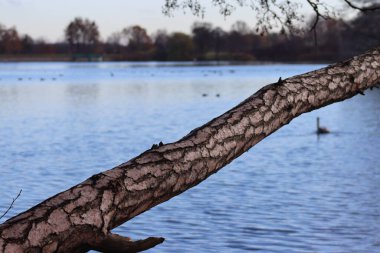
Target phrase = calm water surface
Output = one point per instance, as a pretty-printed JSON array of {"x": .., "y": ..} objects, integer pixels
[{"x": 293, "y": 192}]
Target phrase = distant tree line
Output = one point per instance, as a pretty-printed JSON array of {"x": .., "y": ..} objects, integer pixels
[{"x": 335, "y": 40}]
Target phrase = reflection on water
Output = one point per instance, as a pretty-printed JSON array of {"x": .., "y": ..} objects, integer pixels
[{"x": 293, "y": 192}]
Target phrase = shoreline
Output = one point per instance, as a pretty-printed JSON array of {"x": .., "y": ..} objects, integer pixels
[{"x": 108, "y": 58}]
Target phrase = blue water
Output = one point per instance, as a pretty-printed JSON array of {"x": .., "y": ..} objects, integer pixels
[{"x": 293, "y": 192}]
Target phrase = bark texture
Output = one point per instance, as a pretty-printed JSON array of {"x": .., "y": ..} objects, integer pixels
[{"x": 82, "y": 217}]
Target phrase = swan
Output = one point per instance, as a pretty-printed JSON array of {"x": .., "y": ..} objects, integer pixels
[{"x": 321, "y": 130}]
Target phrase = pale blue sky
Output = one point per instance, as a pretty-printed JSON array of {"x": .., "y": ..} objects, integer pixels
[{"x": 48, "y": 18}]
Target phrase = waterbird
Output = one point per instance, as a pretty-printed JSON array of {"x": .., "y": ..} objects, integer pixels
[{"x": 321, "y": 130}]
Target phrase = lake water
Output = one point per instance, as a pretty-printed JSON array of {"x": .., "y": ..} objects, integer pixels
[{"x": 293, "y": 192}]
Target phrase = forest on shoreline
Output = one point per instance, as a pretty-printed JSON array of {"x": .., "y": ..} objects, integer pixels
[{"x": 331, "y": 41}]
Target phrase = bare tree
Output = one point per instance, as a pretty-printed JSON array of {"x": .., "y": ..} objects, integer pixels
[
  {"x": 202, "y": 38},
  {"x": 161, "y": 45},
  {"x": 82, "y": 35},
  {"x": 132, "y": 42},
  {"x": 138, "y": 39},
  {"x": 286, "y": 16}
]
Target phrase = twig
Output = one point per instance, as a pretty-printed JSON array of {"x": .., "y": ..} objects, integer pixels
[
  {"x": 372, "y": 8},
  {"x": 11, "y": 205}
]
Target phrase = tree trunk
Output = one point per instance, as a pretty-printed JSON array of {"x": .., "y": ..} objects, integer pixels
[{"x": 82, "y": 217}]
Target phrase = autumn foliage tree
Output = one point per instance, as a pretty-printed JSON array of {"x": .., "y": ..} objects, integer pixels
[
  {"x": 138, "y": 39},
  {"x": 180, "y": 47},
  {"x": 203, "y": 38},
  {"x": 10, "y": 42},
  {"x": 82, "y": 36},
  {"x": 161, "y": 45},
  {"x": 131, "y": 43}
]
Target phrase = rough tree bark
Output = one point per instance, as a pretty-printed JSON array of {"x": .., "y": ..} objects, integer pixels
[{"x": 82, "y": 217}]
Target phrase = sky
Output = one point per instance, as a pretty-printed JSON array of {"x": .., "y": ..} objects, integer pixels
[{"x": 47, "y": 19}]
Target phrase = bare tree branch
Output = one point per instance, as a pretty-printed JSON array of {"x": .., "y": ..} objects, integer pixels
[
  {"x": 270, "y": 14},
  {"x": 11, "y": 205},
  {"x": 318, "y": 14},
  {"x": 82, "y": 217},
  {"x": 353, "y": 6}
]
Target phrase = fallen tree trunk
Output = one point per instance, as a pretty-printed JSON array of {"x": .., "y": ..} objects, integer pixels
[{"x": 82, "y": 217}]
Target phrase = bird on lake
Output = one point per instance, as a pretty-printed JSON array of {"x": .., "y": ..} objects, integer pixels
[{"x": 321, "y": 130}]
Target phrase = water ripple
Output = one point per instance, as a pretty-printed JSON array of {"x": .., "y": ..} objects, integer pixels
[{"x": 293, "y": 192}]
